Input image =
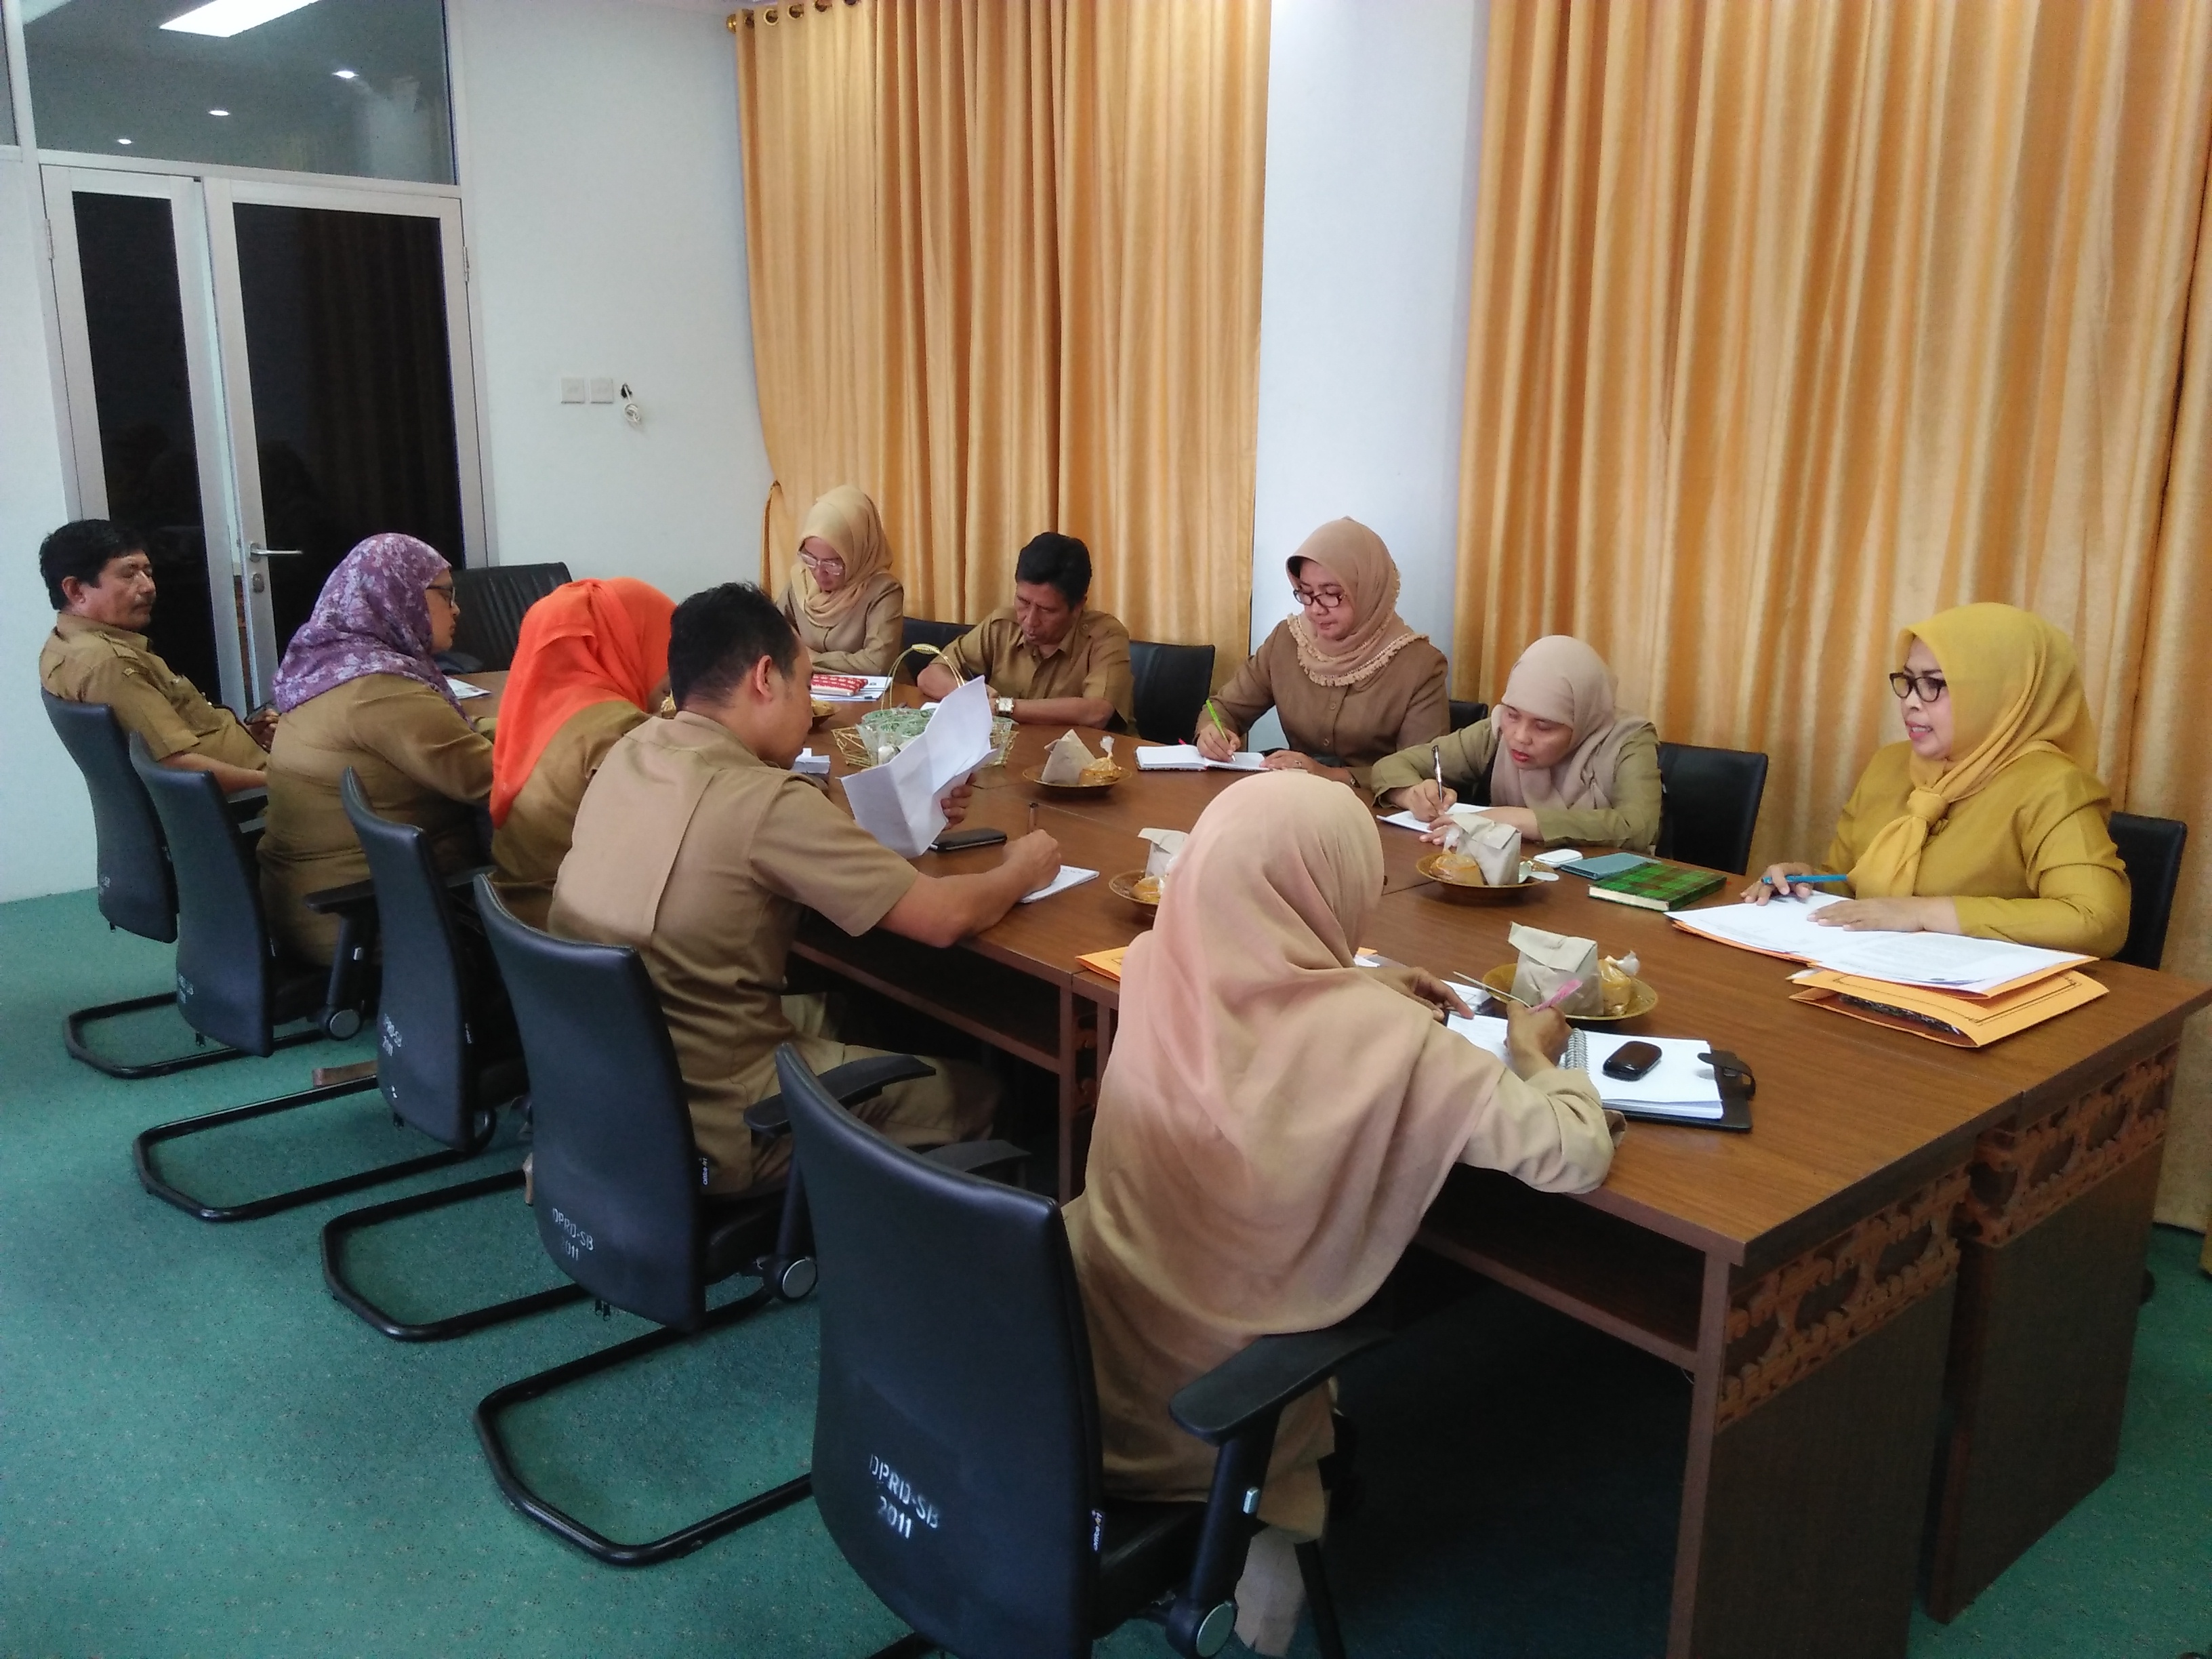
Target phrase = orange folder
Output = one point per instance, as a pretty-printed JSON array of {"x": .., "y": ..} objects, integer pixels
[{"x": 1963, "y": 1022}]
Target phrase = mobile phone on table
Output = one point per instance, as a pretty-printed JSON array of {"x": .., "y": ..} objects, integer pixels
[
  {"x": 955, "y": 840},
  {"x": 1632, "y": 1061}
]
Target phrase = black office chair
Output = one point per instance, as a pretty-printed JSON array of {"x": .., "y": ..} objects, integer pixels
[
  {"x": 494, "y": 599},
  {"x": 137, "y": 893},
  {"x": 920, "y": 630},
  {"x": 1172, "y": 682},
  {"x": 955, "y": 1432},
  {"x": 618, "y": 1197},
  {"x": 1710, "y": 805},
  {"x": 447, "y": 1059},
  {"x": 233, "y": 986},
  {"x": 2152, "y": 849},
  {"x": 1467, "y": 713}
]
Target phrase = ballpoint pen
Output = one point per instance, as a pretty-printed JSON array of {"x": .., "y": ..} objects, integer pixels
[{"x": 1436, "y": 760}]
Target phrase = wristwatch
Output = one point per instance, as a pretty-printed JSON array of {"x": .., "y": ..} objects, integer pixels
[{"x": 1005, "y": 705}]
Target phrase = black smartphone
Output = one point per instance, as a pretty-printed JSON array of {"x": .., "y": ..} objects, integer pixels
[
  {"x": 956, "y": 840},
  {"x": 1632, "y": 1061}
]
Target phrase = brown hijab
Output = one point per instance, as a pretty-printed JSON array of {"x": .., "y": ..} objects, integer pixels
[
  {"x": 846, "y": 518},
  {"x": 1271, "y": 1127},
  {"x": 1560, "y": 679},
  {"x": 1356, "y": 555}
]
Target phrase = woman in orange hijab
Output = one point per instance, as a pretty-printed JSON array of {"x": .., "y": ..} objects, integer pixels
[
  {"x": 593, "y": 660},
  {"x": 1271, "y": 1125},
  {"x": 1988, "y": 818}
]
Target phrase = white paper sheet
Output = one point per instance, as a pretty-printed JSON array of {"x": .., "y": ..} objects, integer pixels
[
  {"x": 1187, "y": 757},
  {"x": 1070, "y": 876},
  {"x": 1680, "y": 1084},
  {"x": 877, "y": 685},
  {"x": 1405, "y": 821},
  {"x": 463, "y": 689},
  {"x": 1782, "y": 925},
  {"x": 897, "y": 802},
  {"x": 1940, "y": 961}
]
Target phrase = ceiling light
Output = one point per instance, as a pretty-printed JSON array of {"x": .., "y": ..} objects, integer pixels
[
  {"x": 218, "y": 111},
  {"x": 224, "y": 18},
  {"x": 121, "y": 141},
  {"x": 343, "y": 75}
]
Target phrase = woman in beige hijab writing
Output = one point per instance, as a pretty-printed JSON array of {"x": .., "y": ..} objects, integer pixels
[
  {"x": 1254, "y": 1168},
  {"x": 1555, "y": 758},
  {"x": 1352, "y": 681},
  {"x": 842, "y": 598}
]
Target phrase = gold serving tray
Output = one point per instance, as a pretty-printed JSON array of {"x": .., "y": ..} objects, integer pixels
[
  {"x": 1035, "y": 775},
  {"x": 1642, "y": 998},
  {"x": 1474, "y": 892}
]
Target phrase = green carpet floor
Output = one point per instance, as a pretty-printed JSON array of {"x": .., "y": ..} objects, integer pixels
[{"x": 202, "y": 1453}]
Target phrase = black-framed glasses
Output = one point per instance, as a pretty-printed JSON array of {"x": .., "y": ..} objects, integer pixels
[
  {"x": 1319, "y": 598},
  {"x": 1929, "y": 686},
  {"x": 444, "y": 591}
]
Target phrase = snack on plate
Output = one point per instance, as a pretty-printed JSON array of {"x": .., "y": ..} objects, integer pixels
[
  {"x": 1147, "y": 889},
  {"x": 1102, "y": 771},
  {"x": 1616, "y": 984},
  {"x": 821, "y": 710},
  {"x": 1461, "y": 867}
]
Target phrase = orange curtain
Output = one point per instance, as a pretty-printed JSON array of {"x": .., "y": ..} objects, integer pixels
[
  {"x": 1004, "y": 258},
  {"x": 1793, "y": 323}
]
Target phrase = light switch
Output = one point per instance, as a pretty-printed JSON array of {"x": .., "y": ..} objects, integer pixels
[
  {"x": 603, "y": 388},
  {"x": 571, "y": 388}
]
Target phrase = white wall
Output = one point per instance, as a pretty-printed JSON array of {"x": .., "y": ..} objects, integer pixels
[
  {"x": 604, "y": 205},
  {"x": 46, "y": 822},
  {"x": 1374, "y": 144}
]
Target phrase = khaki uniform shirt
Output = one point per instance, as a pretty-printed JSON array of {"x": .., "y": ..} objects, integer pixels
[
  {"x": 420, "y": 762},
  {"x": 1091, "y": 661},
  {"x": 1404, "y": 701},
  {"x": 529, "y": 847},
  {"x": 702, "y": 858},
  {"x": 866, "y": 640},
  {"x": 87, "y": 661},
  {"x": 1631, "y": 821}
]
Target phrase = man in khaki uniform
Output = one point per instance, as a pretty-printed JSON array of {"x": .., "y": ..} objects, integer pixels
[
  {"x": 1050, "y": 658},
  {"x": 101, "y": 583},
  {"x": 698, "y": 846}
]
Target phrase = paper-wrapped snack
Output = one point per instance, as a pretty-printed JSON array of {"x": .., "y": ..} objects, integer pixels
[
  {"x": 1065, "y": 761},
  {"x": 1165, "y": 844},
  {"x": 1495, "y": 847},
  {"x": 1549, "y": 961}
]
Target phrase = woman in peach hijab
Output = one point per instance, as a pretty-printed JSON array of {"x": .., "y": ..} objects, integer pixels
[
  {"x": 1254, "y": 1169},
  {"x": 842, "y": 598},
  {"x": 591, "y": 663},
  {"x": 1352, "y": 681},
  {"x": 1989, "y": 820}
]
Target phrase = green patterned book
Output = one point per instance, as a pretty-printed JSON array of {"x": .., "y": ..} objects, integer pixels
[{"x": 1658, "y": 886}]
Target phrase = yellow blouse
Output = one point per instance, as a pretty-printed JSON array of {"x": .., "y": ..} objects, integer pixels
[{"x": 2027, "y": 858}]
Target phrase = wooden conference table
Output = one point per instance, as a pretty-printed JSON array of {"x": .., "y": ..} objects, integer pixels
[{"x": 1908, "y": 1227}]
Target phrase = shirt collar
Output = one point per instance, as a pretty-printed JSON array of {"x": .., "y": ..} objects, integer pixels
[{"x": 71, "y": 626}]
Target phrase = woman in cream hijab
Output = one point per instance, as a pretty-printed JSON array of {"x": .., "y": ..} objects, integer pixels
[
  {"x": 1988, "y": 818},
  {"x": 1254, "y": 1170},
  {"x": 1555, "y": 758},
  {"x": 1352, "y": 681},
  {"x": 842, "y": 598}
]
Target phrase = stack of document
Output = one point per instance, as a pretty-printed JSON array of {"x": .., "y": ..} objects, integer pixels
[
  {"x": 1943, "y": 962},
  {"x": 1679, "y": 1086},
  {"x": 1186, "y": 757}
]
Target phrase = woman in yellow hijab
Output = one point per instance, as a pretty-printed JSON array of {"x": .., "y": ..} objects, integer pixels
[
  {"x": 842, "y": 598},
  {"x": 1988, "y": 818}
]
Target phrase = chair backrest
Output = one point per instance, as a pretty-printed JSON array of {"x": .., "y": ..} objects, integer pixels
[
  {"x": 2152, "y": 849},
  {"x": 1171, "y": 684},
  {"x": 226, "y": 971},
  {"x": 1467, "y": 713},
  {"x": 424, "y": 1046},
  {"x": 137, "y": 893},
  {"x": 1711, "y": 804},
  {"x": 956, "y": 1432},
  {"x": 920, "y": 630},
  {"x": 493, "y": 598},
  {"x": 612, "y": 1160}
]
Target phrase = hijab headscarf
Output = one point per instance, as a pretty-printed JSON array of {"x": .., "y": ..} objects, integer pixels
[
  {"x": 1267, "y": 1137},
  {"x": 846, "y": 518},
  {"x": 1561, "y": 679},
  {"x": 1356, "y": 557},
  {"x": 2014, "y": 689},
  {"x": 370, "y": 618},
  {"x": 586, "y": 642}
]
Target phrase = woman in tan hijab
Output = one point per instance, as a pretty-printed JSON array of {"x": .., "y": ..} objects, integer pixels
[
  {"x": 1555, "y": 758},
  {"x": 842, "y": 598},
  {"x": 1352, "y": 681},
  {"x": 1989, "y": 818},
  {"x": 1255, "y": 1169}
]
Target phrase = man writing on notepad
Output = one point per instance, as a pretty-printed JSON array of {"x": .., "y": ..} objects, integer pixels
[
  {"x": 698, "y": 847},
  {"x": 1049, "y": 658}
]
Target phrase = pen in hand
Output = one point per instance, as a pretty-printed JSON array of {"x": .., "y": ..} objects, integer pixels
[{"x": 1784, "y": 885}]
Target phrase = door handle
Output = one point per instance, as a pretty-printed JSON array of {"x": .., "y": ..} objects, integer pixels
[{"x": 255, "y": 550}]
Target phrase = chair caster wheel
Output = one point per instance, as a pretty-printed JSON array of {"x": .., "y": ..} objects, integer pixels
[
  {"x": 342, "y": 1023},
  {"x": 798, "y": 1279}
]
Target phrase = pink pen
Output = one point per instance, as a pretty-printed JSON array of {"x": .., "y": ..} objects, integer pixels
[{"x": 1558, "y": 996}]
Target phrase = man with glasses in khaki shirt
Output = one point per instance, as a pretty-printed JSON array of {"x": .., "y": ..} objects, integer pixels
[
  {"x": 101, "y": 583},
  {"x": 698, "y": 847},
  {"x": 1049, "y": 658}
]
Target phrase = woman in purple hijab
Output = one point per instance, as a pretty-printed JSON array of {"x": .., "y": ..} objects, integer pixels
[{"x": 360, "y": 688}]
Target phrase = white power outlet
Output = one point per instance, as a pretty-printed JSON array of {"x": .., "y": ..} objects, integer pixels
[
  {"x": 571, "y": 388},
  {"x": 603, "y": 388}
]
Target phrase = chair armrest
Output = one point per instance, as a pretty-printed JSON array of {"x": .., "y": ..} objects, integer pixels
[
  {"x": 461, "y": 880},
  {"x": 354, "y": 896},
  {"x": 849, "y": 1084},
  {"x": 249, "y": 803},
  {"x": 976, "y": 1156},
  {"x": 1266, "y": 1376}
]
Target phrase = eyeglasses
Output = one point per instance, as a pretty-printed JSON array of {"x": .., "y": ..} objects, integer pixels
[
  {"x": 1319, "y": 598},
  {"x": 1929, "y": 686},
  {"x": 444, "y": 591},
  {"x": 813, "y": 562}
]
